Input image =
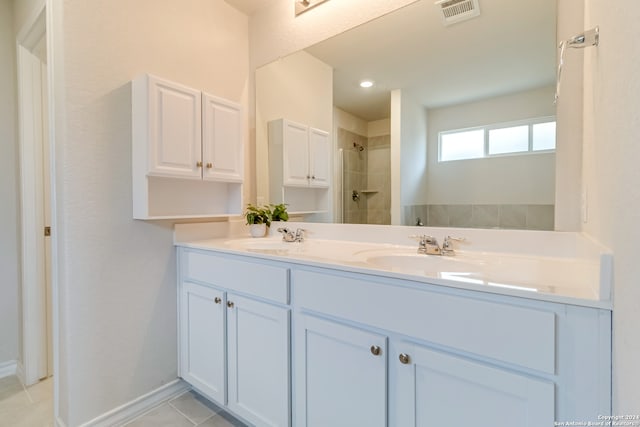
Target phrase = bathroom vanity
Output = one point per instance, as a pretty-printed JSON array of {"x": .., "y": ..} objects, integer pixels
[{"x": 339, "y": 332}]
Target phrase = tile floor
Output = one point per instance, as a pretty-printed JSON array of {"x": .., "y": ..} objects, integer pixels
[
  {"x": 26, "y": 406},
  {"x": 33, "y": 407},
  {"x": 187, "y": 410}
]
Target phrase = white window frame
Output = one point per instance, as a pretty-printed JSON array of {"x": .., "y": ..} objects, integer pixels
[{"x": 486, "y": 128}]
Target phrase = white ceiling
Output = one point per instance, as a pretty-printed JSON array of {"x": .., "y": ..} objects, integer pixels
[
  {"x": 248, "y": 7},
  {"x": 510, "y": 47}
]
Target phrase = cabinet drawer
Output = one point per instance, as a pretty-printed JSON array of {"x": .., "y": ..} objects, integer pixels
[
  {"x": 253, "y": 278},
  {"x": 504, "y": 332}
]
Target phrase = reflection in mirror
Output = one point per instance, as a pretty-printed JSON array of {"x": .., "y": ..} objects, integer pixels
[{"x": 487, "y": 73}]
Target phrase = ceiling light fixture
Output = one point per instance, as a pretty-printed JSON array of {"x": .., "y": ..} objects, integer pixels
[
  {"x": 366, "y": 83},
  {"x": 304, "y": 5}
]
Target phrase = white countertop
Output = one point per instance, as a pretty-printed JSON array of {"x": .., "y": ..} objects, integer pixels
[{"x": 575, "y": 274}]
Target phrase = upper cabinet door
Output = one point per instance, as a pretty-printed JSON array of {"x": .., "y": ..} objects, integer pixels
[
  {"x": 295, "y": 150},
  {"x": 319, "y": 157},
  {"x": 222, "y": 139},
  {"x": 175, "y": 138}
]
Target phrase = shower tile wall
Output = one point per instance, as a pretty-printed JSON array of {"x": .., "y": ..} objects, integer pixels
[
  {"x": 355, "y": 176},
  {"x": 523, "y": 217},
  {"x": 369, "y": 169},
  {"x": 379, "y": 180}
]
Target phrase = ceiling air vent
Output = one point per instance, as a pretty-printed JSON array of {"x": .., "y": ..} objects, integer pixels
[{"x": 458, "y": 10}]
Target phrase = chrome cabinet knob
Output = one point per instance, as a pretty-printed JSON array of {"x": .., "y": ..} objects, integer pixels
[
  {"x": 404, "y": 358},
  {"x": 376, "y": 350},
  {"x": 217, "y": 300},
  {"x": 230, "y": 304}
]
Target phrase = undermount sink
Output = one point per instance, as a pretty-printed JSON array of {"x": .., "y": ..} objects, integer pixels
[
  {"x": 422, "y": 262},
  {"x": 410, "y": 260}
]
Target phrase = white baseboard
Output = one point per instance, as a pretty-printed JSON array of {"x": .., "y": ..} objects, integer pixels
[
  {"x": 10, "y": 367},
  {"x": 137, "y": 407}
]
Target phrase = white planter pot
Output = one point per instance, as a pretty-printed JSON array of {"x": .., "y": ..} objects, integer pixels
[{"x": 258, "y": 230}]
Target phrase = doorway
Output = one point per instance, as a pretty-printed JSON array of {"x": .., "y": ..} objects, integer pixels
[{"x": 35, "y": 201}]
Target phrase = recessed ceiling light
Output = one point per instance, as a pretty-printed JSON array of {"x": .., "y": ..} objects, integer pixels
[{"x": 366, "y": 83}]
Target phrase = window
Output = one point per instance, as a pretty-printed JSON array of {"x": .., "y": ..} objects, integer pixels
[
  {"x": 462, "y": 145},
  {"x": 527, "y": 136}
]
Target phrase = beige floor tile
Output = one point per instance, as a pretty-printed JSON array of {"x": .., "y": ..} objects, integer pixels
[
  {"x": 41, "y": 391},
  {"x": 162, "y": 416},
  {"x": 13, "y": 399},
  {"x": 219, "y": 421},
  {"x": 190, "y": 405},
  {"x": 33, "y": 415}
]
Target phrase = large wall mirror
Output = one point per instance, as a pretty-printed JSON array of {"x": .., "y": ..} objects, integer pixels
[{"x": 458, "y": 128}]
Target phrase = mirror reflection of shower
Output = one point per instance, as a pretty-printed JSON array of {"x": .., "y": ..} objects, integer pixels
[{"x": 364, "y": 190}]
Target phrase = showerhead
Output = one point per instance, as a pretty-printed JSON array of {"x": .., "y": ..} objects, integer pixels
[{"x": 358, "y": 147}]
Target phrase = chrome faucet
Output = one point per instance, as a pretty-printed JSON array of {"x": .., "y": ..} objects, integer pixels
[
  {"x": 289, "y": 235},
  {"x": 428, "y": 245},
  {"x": 447, "y": 245}
]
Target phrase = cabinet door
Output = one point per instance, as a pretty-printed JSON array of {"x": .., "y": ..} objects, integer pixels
[
  {"x": 319, "y": 157},
  {"x": 340, "y": 375},
  {"x": 202, "y": 340},
  {"x": 295, "y": 152},
  {"x": 175, "y": 140},
  {"x": 258, "y": 340},
  {"x": 222, "y": 147},
  {"x": 431, "y": 388}
]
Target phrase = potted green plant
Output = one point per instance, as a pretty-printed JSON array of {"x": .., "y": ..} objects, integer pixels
[
  {"x": 258, "y": 218},
  {"x": 279, "y": 212}
]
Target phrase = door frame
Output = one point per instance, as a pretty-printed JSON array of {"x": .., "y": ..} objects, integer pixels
[{"x": 34, "y": 364}]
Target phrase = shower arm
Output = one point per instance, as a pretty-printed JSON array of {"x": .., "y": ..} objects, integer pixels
[{"x": 587, "y": 39}]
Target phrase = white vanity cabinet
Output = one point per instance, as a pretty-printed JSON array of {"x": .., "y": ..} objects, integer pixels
[
  {"x": 299, "y": 166},
  {"x": 203, "y": 352},
  {"x": 187, "y": 151},
  {"x": 450, "y": 357},
  {"x": 341, "y": 374},
  {"x": 437, "y": 388},
  {"x": 369, "y": 349},
  {"x": 234, "y": 335}
]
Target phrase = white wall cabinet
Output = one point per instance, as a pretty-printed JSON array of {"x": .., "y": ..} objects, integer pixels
[
  {"x": 187, "y": 152},
  {"x": 299, "y": 166},
  {"x": 222, "y": 148},
  {"x": 235, "y": 349}
]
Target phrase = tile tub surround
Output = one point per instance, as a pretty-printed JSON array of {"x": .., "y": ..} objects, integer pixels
[
  {"x": 336, "y": 244},
  {"x": 503, "y": 216}
]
